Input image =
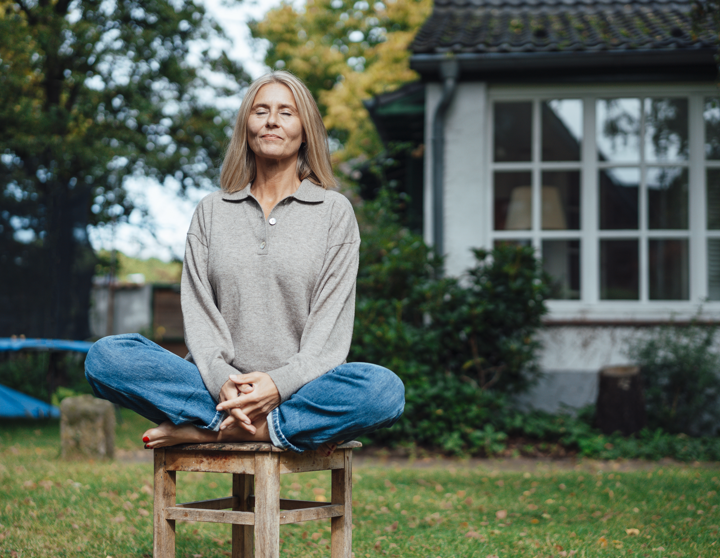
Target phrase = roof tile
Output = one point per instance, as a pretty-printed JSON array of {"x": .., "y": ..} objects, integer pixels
[{"x": 494, "y": 26}]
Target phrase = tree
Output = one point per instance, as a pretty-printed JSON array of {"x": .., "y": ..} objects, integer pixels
[
  {"x": 345, "y": 52},
  {"x": 92, "y": 93},
  {"x": 706, "y": 16}
]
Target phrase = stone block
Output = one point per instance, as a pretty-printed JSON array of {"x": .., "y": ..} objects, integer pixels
[{"x": 87, "y": 428}]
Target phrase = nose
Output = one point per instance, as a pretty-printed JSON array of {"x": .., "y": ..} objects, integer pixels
[{"x": 271, "y": 119}]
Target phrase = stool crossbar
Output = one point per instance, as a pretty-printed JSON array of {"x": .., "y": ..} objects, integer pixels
[{"x": 256, "y": 510}]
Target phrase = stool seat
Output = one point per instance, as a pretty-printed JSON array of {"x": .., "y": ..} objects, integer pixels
[{"x": 256, "y": 509}]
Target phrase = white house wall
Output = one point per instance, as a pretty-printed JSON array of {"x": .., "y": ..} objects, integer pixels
[{"x": 571, "y": 355}]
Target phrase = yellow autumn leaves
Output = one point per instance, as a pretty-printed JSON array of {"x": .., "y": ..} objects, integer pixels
[{"x": 317, "y": 43}]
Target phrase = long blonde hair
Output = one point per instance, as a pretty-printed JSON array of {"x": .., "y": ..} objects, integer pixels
[{"x": 239, "y": 167}]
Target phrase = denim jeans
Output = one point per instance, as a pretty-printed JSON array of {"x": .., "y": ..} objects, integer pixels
[{"x": 348, "y": 401}]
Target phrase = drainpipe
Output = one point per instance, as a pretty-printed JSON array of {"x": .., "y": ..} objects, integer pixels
[{"x": 449, "y": 71}]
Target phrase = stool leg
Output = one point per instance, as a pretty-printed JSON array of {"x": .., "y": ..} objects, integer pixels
[
  {"x": 163, "y": 529},
  {"x": 242, "y": 535},
  {"x": 341, "y": 527},
  {"x": 267, "y": 505}
]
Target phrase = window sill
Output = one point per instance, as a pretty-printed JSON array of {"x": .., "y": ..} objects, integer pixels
[{"x": 628, "y": 313}]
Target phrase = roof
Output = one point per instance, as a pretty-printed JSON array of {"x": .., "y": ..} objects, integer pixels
[
  {"x": 17, "y": 344},
  {"x": 564, "y": 31},
  {"x": 397, "y": 115}
]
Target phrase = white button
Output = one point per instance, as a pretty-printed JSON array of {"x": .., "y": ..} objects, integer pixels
[
  {"x": 272, "y": 220},
  {"x": 262, "y": 245}
]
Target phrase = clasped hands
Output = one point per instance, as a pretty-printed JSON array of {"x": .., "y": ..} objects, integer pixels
[{"x": 247, "y": 397}]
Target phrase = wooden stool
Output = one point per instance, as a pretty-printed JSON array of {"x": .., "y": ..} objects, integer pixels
[{"x": 256, "y": 514}]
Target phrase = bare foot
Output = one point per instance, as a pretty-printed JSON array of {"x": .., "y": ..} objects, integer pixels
[{"x": 169, "y": 434}]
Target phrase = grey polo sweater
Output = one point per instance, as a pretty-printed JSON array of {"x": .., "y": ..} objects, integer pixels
[{"x": 275, "y": 295}]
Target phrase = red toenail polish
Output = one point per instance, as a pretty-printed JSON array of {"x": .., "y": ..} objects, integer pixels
[
  {"x": 146, "y": 439},
  {"x": 147, "y": 447}
]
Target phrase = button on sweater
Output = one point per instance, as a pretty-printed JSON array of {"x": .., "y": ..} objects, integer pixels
[{"x": 274, "y": 296}]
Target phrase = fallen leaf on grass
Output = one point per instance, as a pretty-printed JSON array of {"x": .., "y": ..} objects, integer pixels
[
  {"x": 392, "y": 527},
  {"x": 378, "y": 545},
  {"x": 534, "y": 520},
  {"x": 475, "y": 535},
  {"x": 501, "y": 514},
  {"x": 632, "y": 531},
  {"x": 146, "y": 489},
  {"x": 316, "y": 536},
  {"x": 118, "y": 519},
  {"x": 660, "y": 549},
  {"x": 603, "y": 542},
  {"x": 492, "y": 556},
  {"x": 29, "y": 485},
  {"x": 46, "y": 484},
  {"x": 143, "y": 512}
]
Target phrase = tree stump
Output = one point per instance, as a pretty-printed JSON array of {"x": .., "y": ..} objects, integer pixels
[
  {"x": 620, "y": 403},
  {"x": 87, "y": 428}
]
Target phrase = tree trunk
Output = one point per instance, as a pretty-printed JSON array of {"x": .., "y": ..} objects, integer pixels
[{"x": 620, "y": 402}]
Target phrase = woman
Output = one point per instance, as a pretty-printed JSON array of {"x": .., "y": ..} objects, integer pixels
[{"x": 268, "y": 299}]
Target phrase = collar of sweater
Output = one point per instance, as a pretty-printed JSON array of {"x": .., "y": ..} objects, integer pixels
[{"x": 307, "y": 192}]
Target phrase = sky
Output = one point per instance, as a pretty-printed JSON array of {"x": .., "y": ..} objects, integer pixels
[{"x": 168, "y": 213}]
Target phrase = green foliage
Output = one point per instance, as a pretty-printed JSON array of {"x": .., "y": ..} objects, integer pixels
[
  {"x": 464, "y": 347},
  {"x": 89, "y": 96},
  {"x": 449, "y": 339},
  {"x": 30, "y": 373},
  {"x": 681, "y": 376}
]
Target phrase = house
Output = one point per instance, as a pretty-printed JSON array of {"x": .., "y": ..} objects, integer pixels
[{"x": 591, "y": 131}]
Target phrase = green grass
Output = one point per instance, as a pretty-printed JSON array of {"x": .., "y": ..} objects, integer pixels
[{"x": 49, "y": 507}]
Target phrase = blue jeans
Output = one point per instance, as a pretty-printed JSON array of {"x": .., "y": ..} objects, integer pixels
[{"x": 348, "y": 401}]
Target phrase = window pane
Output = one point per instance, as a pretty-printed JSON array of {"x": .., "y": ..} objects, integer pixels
[
  {"x": 513, "y": 124},
  {"x": 666, "y": 129},
  {"x": 619, "y": 275},
  {"x": 618, "y": 130},
  {"x": 711, "y": 115},
  {"x": 714, "y": 268},
  {"x": 561, "y": 259},
  {"x": 667, "y": 198},
  {"x": 513, "y": 201},
  {"x": 561, "y": 130},
  {"x": 669, "y": 269},
  {"x": 713, "y": 199},
  {"x": 619, "y": 198},
  {"x": 561, "y": 200}
]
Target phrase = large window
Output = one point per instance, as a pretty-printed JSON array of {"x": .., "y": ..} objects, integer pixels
[{"x": 619, "y": 193}]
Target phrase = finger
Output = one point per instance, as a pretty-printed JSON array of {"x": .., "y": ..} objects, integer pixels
[
  {"x": 244, "y": 378},
  {"x": 240, "y": 416}
]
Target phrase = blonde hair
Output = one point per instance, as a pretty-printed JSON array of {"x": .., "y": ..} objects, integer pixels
[{"x": 239, "y": 167}]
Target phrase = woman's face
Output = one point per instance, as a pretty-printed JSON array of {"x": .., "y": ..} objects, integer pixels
[{"x": 274, "y": 127}]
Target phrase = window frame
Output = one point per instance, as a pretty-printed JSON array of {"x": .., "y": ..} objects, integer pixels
[{"x": 590, "y": 307}]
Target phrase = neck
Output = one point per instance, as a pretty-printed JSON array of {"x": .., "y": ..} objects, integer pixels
[{"x": 275, "y": 179}]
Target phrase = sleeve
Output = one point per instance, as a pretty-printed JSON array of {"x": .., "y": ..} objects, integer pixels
[
  {"x": 207, "y": 335},
  {"x": 327, "y": 334}
]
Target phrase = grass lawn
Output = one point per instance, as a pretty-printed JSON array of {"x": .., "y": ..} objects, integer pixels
[{"x": 53, "y": 508}]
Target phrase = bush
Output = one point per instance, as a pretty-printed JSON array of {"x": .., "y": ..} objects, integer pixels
[
  {"x": 681, "y": 376},
  {"x": 458, "y": 345},
  {"x": 29, "y": 373}
]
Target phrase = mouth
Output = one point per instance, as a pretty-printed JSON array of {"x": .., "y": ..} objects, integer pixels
[{"x": 270, "y": 136}]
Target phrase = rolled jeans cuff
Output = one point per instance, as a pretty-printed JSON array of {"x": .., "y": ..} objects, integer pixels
[
  {"x": 277, "y": 438},
  {"x": 216, "y": 421}
]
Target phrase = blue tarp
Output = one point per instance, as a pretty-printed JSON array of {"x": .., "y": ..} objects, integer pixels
[
  {"x": 14, "y": 404},
  {"x": 10, "y": 344}
]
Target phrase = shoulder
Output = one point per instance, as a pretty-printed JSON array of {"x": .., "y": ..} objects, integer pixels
[
  {"x": 203, "y": 213},
  {"x": 343, "y": 224}
]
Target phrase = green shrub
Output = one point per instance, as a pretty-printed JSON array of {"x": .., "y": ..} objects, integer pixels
[
  {"x": 681, "y": 376},
  {"x": 29, "y": 372},
  {"x": 450, "y": 340}
]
